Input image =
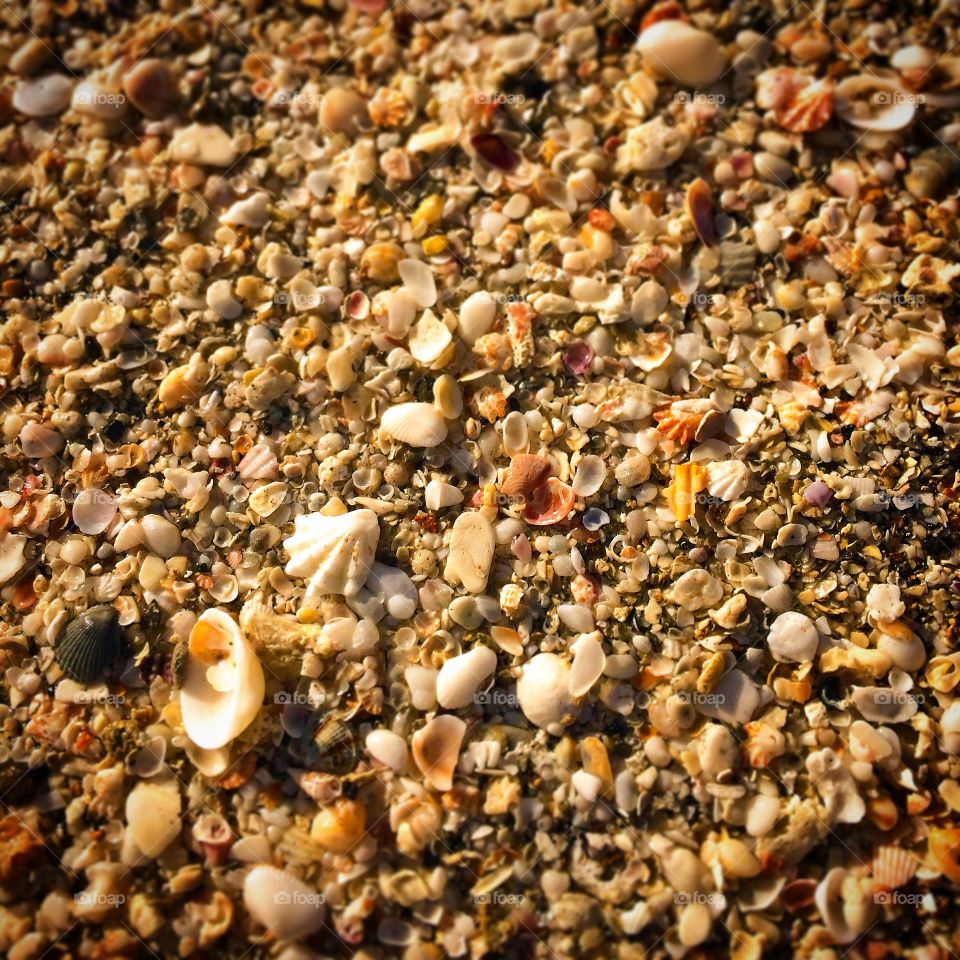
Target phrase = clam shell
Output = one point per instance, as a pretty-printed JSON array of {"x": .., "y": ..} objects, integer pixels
[
  {"x": 591, "y": 472},
  {"x": 283, "y": 903},
  {"x": 516, "y": 433},
  {"x": 333, "y": 553},
  {"x": 874, "y": 103},
  {"x": 336, "y": 745},
  {"x": 93, "y": 510},
  {"x": 892, "y": 867},
  {"x": 460, "y": 677},
  {"x": 416, "y": 424},
  {"x": 472, "y": 544},
  {"x": 436, "y": 749},
  {"x": 549, "y": 503},
  {"x": 543, "y": 693},
  {"x": 388, "y": 748},
  {"x": 223, "y": 682},
  {"x": 477, "y": 314},
  {"x": 89, "y": 643},
  {"x": 676, "y": 51}
]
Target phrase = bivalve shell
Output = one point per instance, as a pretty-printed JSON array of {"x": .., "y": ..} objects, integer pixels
[
  {"x": 589, "y": 661},
  {"x": 677, "y": 51},
  {"x": 89, "y": 643},
  {"x": 415, "y": 424},
  {"x": 550, "y": 503},
  {"x": 543, "y": 693},
  {"x": 874, "y": 103},
  {"x": 472, "y": 544},
  {"x": 153, "y": 815},
  {"x": 436, "y": 749},
  {"x": 283, "y": 903}
]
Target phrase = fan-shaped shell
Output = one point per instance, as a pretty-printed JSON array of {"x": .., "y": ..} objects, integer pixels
[
  {"x": 223, "y": 681},
  {"x": 892, "y": 867},
  {"x": 416, "y": 424},
  {"x": 527, "y": 472},
  {"x": 89, "y": 643},
  {"x": 727, "y": 479},
  {"x": 334, "y": 553},
  {"x": 283, "y": 903},
  {"x": 683, "y": 420},
  {"x": 436, "y": 749},
  {"x": 549, "y": 503}
]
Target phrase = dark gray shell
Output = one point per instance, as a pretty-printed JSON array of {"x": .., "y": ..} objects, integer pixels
[
  {"x": 89, "y": 644},
  {"x": 337, "y": 747},
  {"x": 737, "y": 263}
]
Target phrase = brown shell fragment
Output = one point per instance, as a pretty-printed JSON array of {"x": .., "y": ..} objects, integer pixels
[
  {"x": 527, "y": 472},
  {"x": 700, "y": 211}
]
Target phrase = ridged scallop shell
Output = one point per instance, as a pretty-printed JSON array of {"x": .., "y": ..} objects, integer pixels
[
  {"x": 436, "y": 749},
  {"x": 283, "y": 903},
  {"x": 874, "y": 103},
  {"x": 333, "y": 553},
  {"x": 336, "y": 745},
  {"x": 700, "y": 210},
  {"x": 89, "y": 643},
  {"x": 416, "y": 424},
  {"x": 892, "y": 867},
  {"x": 809, "y": 109},
  {"x": 682, "y": 420},
  {"x": 727, "y": 479},
  {"x": 223, "y": 681},
  {"x": 527, "y": 472}
]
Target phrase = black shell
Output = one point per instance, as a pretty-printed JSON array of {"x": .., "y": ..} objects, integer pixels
[
  {"x": 337, "y": 747},
  {"x": 89, "y": 643}
]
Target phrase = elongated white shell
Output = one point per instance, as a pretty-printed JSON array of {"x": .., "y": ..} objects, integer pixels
[
  {"x": 472, "y": 544},
  {"x": 673, "y": 49},
  {"x": 588, "y": 663},
  {"x": 334, "y": 553},
  {"x": 416, "y": 424},
  {"x": 283, "y": 903},
  {"x": 220, "y": 696},
  {"x": 460, "y": 677},
  {"x": 153, "y": 816},
  {"x": 543, "y": 692}
]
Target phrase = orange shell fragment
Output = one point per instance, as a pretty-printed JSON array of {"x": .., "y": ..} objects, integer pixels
[
  {"x": 688, "y": 480},
  {"x": 549, "y": 503},
  {"x": 943, "y": 845}
]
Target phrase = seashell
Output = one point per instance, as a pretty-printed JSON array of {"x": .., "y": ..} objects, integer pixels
[
  {"x": 493, "y": 150},
  {"x": 416, "y": 424},
  {"x": 460, "y": 677},
  {"x": 874, "y": 103},
  {"x": 340, "y": 826},
  {"x": 892, "y": 867},
  {"x": 943, "y": 673},
  {"x": 653, "y": 145},
  {"x": 588, "y": 664},
  {"x": 846, "y": 905},
  {"x": 203, "y": 144},
  {"x": 89, "y": 643},
  {"x": 716, "y": 750},
  {"x": 674, "y": 50},
  {"x": 437, "y": 495},
  {"x": 943, "y": 852},
  {"x": 738, "y": 262},
  {"x": 506, "y": 638},
  {"x": 700, "y": 211},
  {"x": 252, "y": 211},
  {"x": 727, "y": 479},
  {"x": 543, "y": 693},
  {"x": 436, "y": 749},
  {"x": 688, "y": 480},
  {"x": 591, "y": 472},
  {"x": 653, "y": 351},
  {"x": 153, "y": 816},
  {"x": 380, "y": 262},
  {"x": 99, "y": 101},
  {"x": 799, "y": 103},
  {"x": 578, "y": 357},
  {"x": 933, "y": 172},
  {"x": 333, "y": 553},
  {"x": 223, "y": 682},
  {"x": 763, "y": 893},
  {"x": 151, "y": 87},
  {"x": 527, "y": 472},
  {"x": 764, "y": 744},
  {"x": 516, "y": 434},
  {"x": 798, "y": 894},
  {"x": 43, "y": 96},
  {"x": 429, "y": 339},
  {"x": 342, "y": 111},
  {"x": 336, "y": 745},
  {"x": 477, "y": 314},
  {"x": 472, "y": 544},
  {"x": 387, "y": 748},
  {"x": 215, "y": 837},
  {"x": 283, "y": 903},
  {"x": 418, "y": 281},
  {"x": 416, "y": 821},
  {"x": 696, "y": 589},
  {"x": 266, "y": 500},
  {"x": 685, "y": 420},
  {"x": 549, "y": 503},
  {"x": 883, "y": 704},
  {"x": 448, "y": 397},
  {"x": 12, "y": 547},
  {"x": 793, "y": 638}
]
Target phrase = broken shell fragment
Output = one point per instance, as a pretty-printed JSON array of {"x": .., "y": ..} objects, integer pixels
[
  {"x": 153, "y": 815},
  {"x": 589, "y": 661},
  {"x": 223, "y": 682},
  {"x": 436, "y": 749},
  {"x": 549, "y": 503},
  {"x": 700, "y": 211},
  {"x": 543, "y": 692},
  {"x": 283, "y": 903},
  {"x": 688, "y": 480},
  {"x": 472, "y": 544},
  {"x": 461, "y": 677},
  {"x": 793, "y": 638},
  {"x": 415, "y": 424},
  {"x": 333, "y": 553}
]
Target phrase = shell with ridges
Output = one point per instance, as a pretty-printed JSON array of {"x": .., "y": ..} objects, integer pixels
[
  {"x": 89, "y": 643},
  {"x": 416, "y": 424},
  {"x": 727, "y": 479},
  {"x": 892, "y": 867}
]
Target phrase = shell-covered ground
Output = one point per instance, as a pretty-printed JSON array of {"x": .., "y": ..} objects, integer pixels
[{"x": 479, "y": 480}]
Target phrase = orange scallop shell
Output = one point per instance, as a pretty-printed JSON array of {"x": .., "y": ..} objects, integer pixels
[
  {"x": 549, "y": 503},
  {"x": 808, "y": 109},
  {"x": 892, "y": 867},
  {"x": 527, "y": 472}
]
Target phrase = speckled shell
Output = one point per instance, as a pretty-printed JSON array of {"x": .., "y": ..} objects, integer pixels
[
  {"x": 336, "y": 745},
  {"x": 89, "y": 643}
]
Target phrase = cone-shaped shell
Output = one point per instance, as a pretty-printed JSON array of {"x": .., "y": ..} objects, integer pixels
[
  {"x": 416, "y": 424},
  {"x": 223, "y": 681},
  {"x": 436, "y": 749},
  {"x": 89, "y": 643},
  {"x": 334, "y": 553},
  {"x": 282, "y": 903}
]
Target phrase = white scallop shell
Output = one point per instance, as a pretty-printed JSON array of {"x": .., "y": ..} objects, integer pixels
[
  {"x": 416, "y": 424},
  {"x": 543, "y": 692},
  {"x": 436, "y": 749},
  {"x": 334, "y": 553},
  {"x": 588, "y": 663},
  {"x": 460, "y": 677},
  {"x": 472, "y": 544},
  {"x": 219, "y": 700},
  {"x": 153, "y": 816},
  {"x": 892, "y": 107},
  {"x": 283, "y": 903},
  {"x": 727, "y": 479}
]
